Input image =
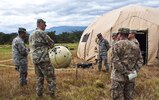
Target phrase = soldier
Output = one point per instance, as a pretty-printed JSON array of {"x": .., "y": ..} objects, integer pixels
[
  {"x": 20, "y": 53},
  {"x": 103, "y": 47},
  {"x": 114, "y": 40},
  {"x": 126, "y": 60},
  {"x": 114, "y": 37},
  {"x": 132, "y": 37},
  {"x": 40, "y": 43}
]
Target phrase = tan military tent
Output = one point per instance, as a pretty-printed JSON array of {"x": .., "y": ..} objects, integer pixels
[{"x": 144, "y": 20}]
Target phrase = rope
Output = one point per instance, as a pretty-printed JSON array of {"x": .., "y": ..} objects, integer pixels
[{"x": 59, "y": 69}]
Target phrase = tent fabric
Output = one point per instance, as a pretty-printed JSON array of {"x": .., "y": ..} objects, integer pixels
[{"x": 132, "y": 16}]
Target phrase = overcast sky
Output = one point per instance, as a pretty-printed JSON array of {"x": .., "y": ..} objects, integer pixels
[{"x": 24, "y": 13}]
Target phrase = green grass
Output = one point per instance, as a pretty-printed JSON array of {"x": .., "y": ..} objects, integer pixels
[{"x": 5, "y": 52}]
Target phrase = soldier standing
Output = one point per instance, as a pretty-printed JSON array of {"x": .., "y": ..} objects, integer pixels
[
  {"x": 40, "y": 43},
  {"x": 19, "y": 55},
  {"x": 103, "y": 47},
  {"x": 132, "y": 37},
  {"x": 114, "y": 37},
  {"x": 126, "y": 59}
]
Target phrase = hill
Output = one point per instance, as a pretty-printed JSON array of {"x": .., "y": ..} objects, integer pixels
[{"x": 60, "y": 29}]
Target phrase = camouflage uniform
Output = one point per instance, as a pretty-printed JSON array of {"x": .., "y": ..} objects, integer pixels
[
  {"x": 40, "y": 43},
  {"x": 126, "y": 57},
  {"x": 102, "y": 54},
  {"x": 135, "y": 41},
  {"x": 20, "y": 52},
  {"x": 114, "y": 41}
]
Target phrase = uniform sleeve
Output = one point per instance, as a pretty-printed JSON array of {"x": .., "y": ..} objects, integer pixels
[
  {"x": 48, "y": 40},
  {"x": 117, "y": 62},
  {"x": 107, "y": 44},
  {"x": 22, "y": 49},
  {"x": 139, "y": 62}
]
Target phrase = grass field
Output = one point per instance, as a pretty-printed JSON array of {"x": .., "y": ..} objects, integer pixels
[
  {"x": 5, "y": 52},
  {"x": 86, "y": 87}
]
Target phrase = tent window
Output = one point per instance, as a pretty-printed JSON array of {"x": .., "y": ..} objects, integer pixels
[{"x": 85, "y": 38}]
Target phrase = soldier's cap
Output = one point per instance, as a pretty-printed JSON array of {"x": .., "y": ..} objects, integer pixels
[
  {"x": 40, "y": 21},
  {"x": 114, "y": 34},
  {"x": 21, "y": 29},
  {"x": 124, "y": 30},
  {"x": 133, "y": 31},
  {"x": 99, "y": 34}
]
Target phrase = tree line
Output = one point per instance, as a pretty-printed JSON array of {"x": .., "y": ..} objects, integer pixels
[{"x": 65, "y": 37}]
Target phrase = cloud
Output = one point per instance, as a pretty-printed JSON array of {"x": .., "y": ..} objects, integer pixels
[{"x": 23, "y": 13}]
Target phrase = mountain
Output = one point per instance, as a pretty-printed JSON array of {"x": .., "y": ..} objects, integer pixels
[{"x": 60, "y": 29}]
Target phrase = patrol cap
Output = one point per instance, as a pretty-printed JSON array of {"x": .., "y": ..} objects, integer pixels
[
  {"x": 40, "y": 21},
  {"x": 21, "y": 29},
  {"x": 124, "y": 30},
  {"x": 99, "y": 34},
  {"x": 114, "y": 34},
  {"x": 133, "y": 31}
]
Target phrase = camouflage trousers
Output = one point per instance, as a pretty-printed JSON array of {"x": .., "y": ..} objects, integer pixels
[
  {"x": 46, "y": 70},
  {"x": 100, "y": 60},
  {"x": 22, "y": 69},
  {"x": 122, "y": 90}
]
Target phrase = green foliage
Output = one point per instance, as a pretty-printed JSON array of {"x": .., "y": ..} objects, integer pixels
[
  {"x": 52, "y": 35},
  {"x": 7, "y": 38},
  {"x": 65, "y": 37}
]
